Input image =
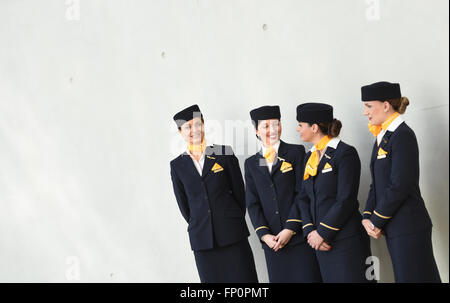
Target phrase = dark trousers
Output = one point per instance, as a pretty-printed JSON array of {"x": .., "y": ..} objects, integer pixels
[
  {"x": 412, "y": 258},
  {"x": 230, "y": 264}
]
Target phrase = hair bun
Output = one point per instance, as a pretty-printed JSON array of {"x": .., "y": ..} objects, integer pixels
[
  {"x": 403, "y": 105},
  {"x": 334, "y": 128}
]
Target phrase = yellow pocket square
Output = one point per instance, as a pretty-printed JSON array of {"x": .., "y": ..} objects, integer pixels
[
  {"x": 285, "y": 167},
  {"x": 327, "y": 168},
  {"x": 381, "y": 153},
  {"x": 216, "y": 168}
]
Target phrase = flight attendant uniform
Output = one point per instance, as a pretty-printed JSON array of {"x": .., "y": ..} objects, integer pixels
[
  {"x": 271, "y": 189},
  {"x": 211, "y": 196},
  {"x": 329, "y": 204},
  {"x": 395, "y": 204}
]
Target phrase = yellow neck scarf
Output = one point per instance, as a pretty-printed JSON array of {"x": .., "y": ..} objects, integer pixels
[
  {"x": 197, "y": 148},
  {"x": 376, "y": 129},
  {"x": 270, "y": 154},
  {"x": 313, "y": 161}
]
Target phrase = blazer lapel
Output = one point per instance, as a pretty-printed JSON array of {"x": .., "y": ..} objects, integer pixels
[
  {"x": 329, "y": 153},
  {"x": 210, "y": 159},
  {"x": 261, "y": 164},
  {"x": 189, "y": 165},
  {"x": 376, "y": 147},
  {"x": 280, "y": 158},
  {"x": 385, "y": 140},
  {"x": 373, "y": 157}
]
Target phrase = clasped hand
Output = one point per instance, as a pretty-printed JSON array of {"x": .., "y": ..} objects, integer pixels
[
  {"x": 371, "y": 229},
  {"x": 279, "y": 241},
  {"x": 317, "y": 242}
]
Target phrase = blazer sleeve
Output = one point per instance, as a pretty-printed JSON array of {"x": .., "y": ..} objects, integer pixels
[
  {"x": 294, "y": 221},
  {"x": 349, "y": 171},
  {"x": 370, "y": 204},
  {"x": 371, "y": 199},
  {"x": 303, "y": 203},
  {"x": 235, "y": 178},
  {"x": 404, "y": 173},
  {"x": 254, "y": 207},
  {"x": 180, "y": 194}
]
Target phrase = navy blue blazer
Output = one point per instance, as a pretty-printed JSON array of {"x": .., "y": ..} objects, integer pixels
[
  {"x": 329, "y": 200},
  {"x": 270, "y": 196},
  {"x": 395, "y": 203},
  {"x": 213, "y": 204}
]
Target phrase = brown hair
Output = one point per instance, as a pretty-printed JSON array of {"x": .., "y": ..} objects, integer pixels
[
  {"x": 331, "y": 129},
  {"x": 399, "y": 104}
]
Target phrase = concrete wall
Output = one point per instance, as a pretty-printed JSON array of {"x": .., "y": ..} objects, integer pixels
[{"x": 88, "y": 90}]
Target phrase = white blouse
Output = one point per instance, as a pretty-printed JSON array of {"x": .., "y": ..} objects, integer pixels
[{"x": 198, "y": 164}]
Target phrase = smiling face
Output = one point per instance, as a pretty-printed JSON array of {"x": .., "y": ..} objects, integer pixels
[
  {"x": 269, "y": 131},
  {"x": 307, "y": 132},
  {"x": 193, "y": 131},
  {"x": 377, "y": 111}
]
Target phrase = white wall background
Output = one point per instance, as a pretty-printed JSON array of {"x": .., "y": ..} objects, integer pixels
[{"x": 88, "y": 89}]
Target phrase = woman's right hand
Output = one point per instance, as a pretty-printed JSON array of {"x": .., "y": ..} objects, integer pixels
[
  {"x": 367, "y": 225},
  {"x": 371, "y": 229},
  {"x": 269, "y": 240}
]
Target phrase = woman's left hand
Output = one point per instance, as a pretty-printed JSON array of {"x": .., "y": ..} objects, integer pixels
[
  {"x": 283, "y": 238},
  {"x": 377, "y": 233}
]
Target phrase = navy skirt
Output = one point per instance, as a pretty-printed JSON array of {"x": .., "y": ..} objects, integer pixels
[
  {"x": 346, "y": 261},
  {"x": 229, "y": 264},
  {"x": 292, "y": 264},
  {"x": 412, "y": 258}
]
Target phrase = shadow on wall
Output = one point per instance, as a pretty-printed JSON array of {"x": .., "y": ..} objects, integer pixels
[{"x": 434, "y": 177}]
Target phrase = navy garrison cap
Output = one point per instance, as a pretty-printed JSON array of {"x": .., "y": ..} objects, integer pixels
[
  {"x": 380, "y": 91},
  {"x": 265, "y": 113},
  {"x": 314, "y": 113},
  {"x": 187, "y": 114}
]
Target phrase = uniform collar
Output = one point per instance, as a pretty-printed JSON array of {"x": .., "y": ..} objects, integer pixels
[
  {"x": 333, "y": 144},
  {"x": 394, "y": 124},
  {"x": 276, "y": 146},
  {"x": 186, "y": 152},
  {"x": 391, "y": 128}
]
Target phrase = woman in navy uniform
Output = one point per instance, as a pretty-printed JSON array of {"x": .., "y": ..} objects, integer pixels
[
  {"x": 328, "y": 200},
  {"x": 273, "y": 178},
  {"x": 395, "y": 206},
  {"x": 210, "y": 192}
]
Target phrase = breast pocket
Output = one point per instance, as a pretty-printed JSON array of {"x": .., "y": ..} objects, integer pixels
[
  {"x": 287, "y": 167},
  {"x": 383, "y": 153},
  {"x": 217, "y": 168},
  {"x": 217, "y": 178},
  {"x": 330, "y": 168},
  {"x": 383, "y": 162}
]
